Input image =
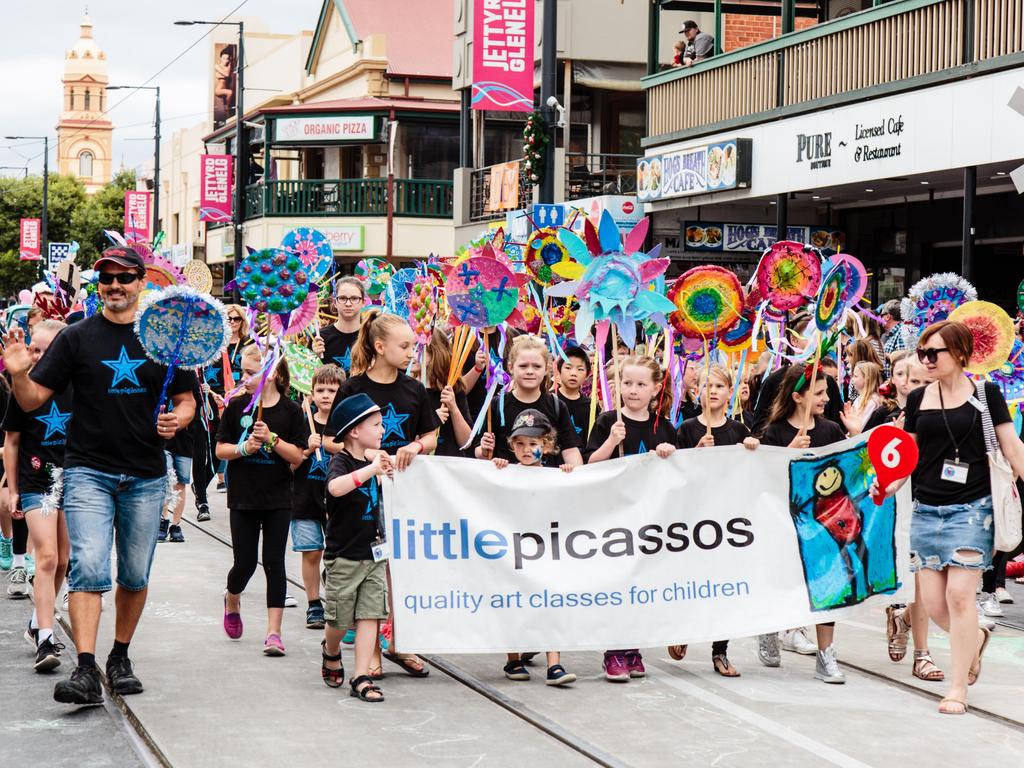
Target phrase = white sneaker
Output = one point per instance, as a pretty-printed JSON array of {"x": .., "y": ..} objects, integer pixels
[
  {"x": 1003, "y": 595},
  {"x": 985, "y": 622},
  {"x": 289, "y": 601},
  {"x": 796, "y": 640},
  {"x": 989, "y": 606},
  {"x": 826, "y": 668},
  {"x": 18, "y": 587}
]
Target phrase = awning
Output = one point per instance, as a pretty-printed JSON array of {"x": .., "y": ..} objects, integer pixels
[{"x": 608, "y": 76}]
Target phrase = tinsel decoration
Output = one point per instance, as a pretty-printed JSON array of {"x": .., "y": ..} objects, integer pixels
[
  {"x": 53, "y": 500},
  {"x": 535, "y": 146}
]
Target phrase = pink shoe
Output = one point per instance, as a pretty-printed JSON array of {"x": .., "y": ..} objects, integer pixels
[
  {"x": 616, "y": 670},
  {"x": 273, "y": 646},
  {"x": 232, "y": 622},
  {"x": 635, "y": 662}
]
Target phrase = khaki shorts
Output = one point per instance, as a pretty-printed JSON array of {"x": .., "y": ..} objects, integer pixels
[{"x": 354, "y": 590}]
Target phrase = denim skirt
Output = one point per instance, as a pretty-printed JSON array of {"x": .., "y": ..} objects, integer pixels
[{"x": 962, "y": 535}]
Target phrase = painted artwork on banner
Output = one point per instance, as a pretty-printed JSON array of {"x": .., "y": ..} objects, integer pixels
[
  {"x": 503, "y": 190},
  {"x": 503, "y": 55},
  {"x": 847, "y": 543},
  {"x": 694, "y": 171},
  {"x": 225, "y": 82},
  {"x": 718, "y": 236},
  {"x": 29, "y": 244},
  {"x": 215, "y": 187},
  {"x": 136, "y": 215}
]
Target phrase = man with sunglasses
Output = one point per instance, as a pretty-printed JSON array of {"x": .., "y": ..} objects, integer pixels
[
  {"x": 336, "y": 341},
  {"x": 115, "y": 473}
]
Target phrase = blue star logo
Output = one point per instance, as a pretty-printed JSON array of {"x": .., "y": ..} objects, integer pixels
[
  {"x": 393, "y": 422},
  {"x": 55, "y": 421},
  {"x": 319, "y": 466},
  {"x": 572, "y": 421},
  {"x": 124, "y": 368},
  {"x": 344, "y": 361},
  {"x": 211, "y": 374},
  {"x": 369, "y": 490},
  {"x": 641, "y": 448}
]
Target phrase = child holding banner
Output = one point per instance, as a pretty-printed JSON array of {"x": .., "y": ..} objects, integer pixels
[
  {"x": 638, "y": 429},
  {"x": 531, "y": 439},
  {"x": 712, "y": 428},
  {"x": 797, "y": 420}
]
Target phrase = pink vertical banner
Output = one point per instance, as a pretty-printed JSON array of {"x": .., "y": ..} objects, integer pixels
[
  {"x": 215, "y": 187},
  {"x": 31, "y": 234},
  {"x": 136, "y": 215},
  {"x": 503, "y": 55}
]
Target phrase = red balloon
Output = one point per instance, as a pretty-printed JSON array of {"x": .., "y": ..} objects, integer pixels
[{"x": 893, "y": 454}]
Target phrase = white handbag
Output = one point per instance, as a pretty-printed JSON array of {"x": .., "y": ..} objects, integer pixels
[{"x": 1006, "y": 507}]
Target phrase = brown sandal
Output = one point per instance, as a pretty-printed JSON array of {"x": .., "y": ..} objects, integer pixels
[
  {"x": 896, "y": 628},
  {"x": 951, "y": 700},
  {"x": 376, "y": 673},
  {"x": 975, "y": 671},
  {"x": 723, "y": 667},
  {"x": 677, "y": 652},
  {"x": 926, "y": 669}
]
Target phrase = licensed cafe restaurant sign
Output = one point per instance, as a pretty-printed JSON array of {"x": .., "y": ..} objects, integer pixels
[{"x": 325, "y": 129}]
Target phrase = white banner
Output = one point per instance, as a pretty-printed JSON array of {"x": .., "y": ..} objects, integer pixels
[{"x": 706, "y": 545}]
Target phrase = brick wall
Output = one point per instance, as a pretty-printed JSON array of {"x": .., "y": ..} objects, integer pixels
[{"x": 741, "y": 30}]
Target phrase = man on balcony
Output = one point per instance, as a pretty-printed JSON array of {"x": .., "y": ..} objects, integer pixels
[{"x": 699, "y": 45}]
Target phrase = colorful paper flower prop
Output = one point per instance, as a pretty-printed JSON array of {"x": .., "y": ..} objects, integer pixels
[
  {"x": 272, "y": 280},
  {"x": 375, "y": 274},
  {"x": 547, "y": 259},
  {"x": 931, "y": 300},
  {"x": 198, "y": 276},
  {"x": 396, "y": 294},
  {"x": 482, "y": 292},
  {"x": 422, "y": 308},
  {"x": 833, "y": 298},
  {"x": 993, "y": 334},
  {"x": 313, "y": 249},
  {"x": 789, "y": 274},
  {"x": 181, "y": 328},
  {"x": 1009, "y": 377},
  {"x": 298, "y": 320},
  {"x": 740, "y": 336},
  {"x": 526, "y": 318},
  {"x": 708, "y": 301},
  {"x": 615, "y": 280},
  {"x": 302, "y": 364},
  {"x": 856, "y": 278},
  {"x": 161, "y": 273},
  {"x": 563, "y": 319}
]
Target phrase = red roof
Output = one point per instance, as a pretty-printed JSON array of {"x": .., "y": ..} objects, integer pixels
[
  {"x": 364, "y": 103},
  {"x": 419, "y": 34}
]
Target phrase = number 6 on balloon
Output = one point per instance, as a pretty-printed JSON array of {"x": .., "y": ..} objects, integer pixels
[{"x": 893, "y": 455}]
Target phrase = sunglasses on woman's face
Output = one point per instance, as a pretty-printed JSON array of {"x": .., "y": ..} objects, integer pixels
[
  {"x": 122, "y": 278},
  {"x": 234, "y": 319},
  {"x": 931, "y": 354}
]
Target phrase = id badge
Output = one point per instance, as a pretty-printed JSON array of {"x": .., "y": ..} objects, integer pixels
[
  {"x": 381, "y": 551},
  {"x": 954, "y": 472}
]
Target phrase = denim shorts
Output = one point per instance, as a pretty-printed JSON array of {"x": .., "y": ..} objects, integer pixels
[
  {"x": 100, "y": 509},
  {"x": 937, "y": 533},
  {"x": 307, "y": 536},
  {"x": 31, "y": 501},
  {"x": 181, "y": 466}
]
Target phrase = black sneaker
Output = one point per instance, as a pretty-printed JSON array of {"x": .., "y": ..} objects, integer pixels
[
  {"x": 315, "y": 617},
  {"x": 165, "y": 524},
  {"x": 222, "y": 487},
  {"x": 203, "y": 514},
  {"x": 82, "y": 688},
  {"x": 48, "y": 655},
  {"x": 121, "y": 677},
  {"x": 31, "y": 634},
  {"x": 176, "y": 535}
]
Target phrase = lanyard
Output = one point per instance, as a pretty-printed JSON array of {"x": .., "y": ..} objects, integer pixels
[{"x": 949, "y": 430}]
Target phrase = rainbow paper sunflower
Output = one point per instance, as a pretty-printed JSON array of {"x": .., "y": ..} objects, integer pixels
[{"x": 708, "y": 300}]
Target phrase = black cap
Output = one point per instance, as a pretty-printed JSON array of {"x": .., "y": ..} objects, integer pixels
[
  {"x": 688, "y": 25},
  {"x": 531, "y": 423},
  {"x": 125, "y": 257}
]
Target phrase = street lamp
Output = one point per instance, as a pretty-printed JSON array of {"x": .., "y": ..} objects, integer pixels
[
  {"x": 239, "y": 142},
  {"x": 24, "y": 169},
  {"x": 156, "y": 148},
  {"x": 46, "y": 186}
]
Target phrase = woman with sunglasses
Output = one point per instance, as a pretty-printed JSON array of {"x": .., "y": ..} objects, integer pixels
[{"x": 951, "y": 536}]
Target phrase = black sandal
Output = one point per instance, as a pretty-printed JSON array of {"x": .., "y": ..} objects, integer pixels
[
  {"x": 407, "y": 665},
  {"x": 364, "y": 693},
  {"x": 333, "y": 678}
]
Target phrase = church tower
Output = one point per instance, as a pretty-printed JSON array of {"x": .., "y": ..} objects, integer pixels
[{"x": 83, "y": 133}]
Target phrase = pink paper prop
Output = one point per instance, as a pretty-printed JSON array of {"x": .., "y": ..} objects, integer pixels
[
  {"x": 789, "y": 274},
  {"x": 482, "y": 292},
  {"x": 298, "y": 320}
]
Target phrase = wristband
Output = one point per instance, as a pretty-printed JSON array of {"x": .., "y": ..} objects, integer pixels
[
  {"x": 478, "y": 369},
  {"x": 417, "y": 442},
  {"x": 272, "y": 441},
  {"x": 241, "y": 448},
  {"x": 355, "y": 478}
]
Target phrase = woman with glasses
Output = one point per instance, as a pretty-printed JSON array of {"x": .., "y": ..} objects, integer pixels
[
  {"x": 951, "y": 533},
  {"x": 334, "y": 345}
]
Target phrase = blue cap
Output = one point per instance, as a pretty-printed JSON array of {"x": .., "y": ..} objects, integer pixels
[{"x": 350, "y": 412}]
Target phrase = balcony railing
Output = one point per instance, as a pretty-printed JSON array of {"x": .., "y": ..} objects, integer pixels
[
  {"x": 425, "y": 198},
  {"x": 494, "y": 191},
  {"x": 898, "y": 45},
  {"x": 596, "y": 174}
]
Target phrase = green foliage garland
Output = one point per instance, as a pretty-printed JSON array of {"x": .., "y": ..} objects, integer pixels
[{"x": 535, "y": 146}]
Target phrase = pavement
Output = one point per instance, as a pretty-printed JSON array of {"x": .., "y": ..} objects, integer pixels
[{"x": 210, "y": 701}]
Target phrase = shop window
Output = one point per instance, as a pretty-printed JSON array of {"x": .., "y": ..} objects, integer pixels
[
  {"x": 433, "y": 149},
  {"x": 85, "y": 165}
]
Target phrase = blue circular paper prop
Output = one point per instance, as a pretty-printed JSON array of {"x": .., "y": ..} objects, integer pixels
[
  {"x": 181, "y": 328},
  {"x": 313, "y": 249},
  {"x": 396, "y": 293}
]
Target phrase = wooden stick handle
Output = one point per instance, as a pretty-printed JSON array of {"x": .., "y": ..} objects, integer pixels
[
  {"x": 615, "y": 373},
  {"x": 312, "y": 423}
]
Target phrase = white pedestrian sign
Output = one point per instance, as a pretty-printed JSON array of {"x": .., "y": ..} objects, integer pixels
[{"x": 56, "y": 253}]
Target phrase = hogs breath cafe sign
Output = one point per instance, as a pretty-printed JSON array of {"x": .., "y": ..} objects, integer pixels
[{"x": 321, "y": 130}]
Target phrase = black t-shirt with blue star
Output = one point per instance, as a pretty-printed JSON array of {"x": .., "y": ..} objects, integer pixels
[
  {"x": 262, "y": 480},
  {"x": 405, "y": 407},
  {"x": 338, "y": 347},
  {"x": 308, "y": 483},
  {"x": 115, "y": 390},
  {"x": 43, "y": 435},
  {"x": 579, "y": 415},
  {"x": 213, "y": 374},
  {"x": 641, "y": 436},
  {"x": 353, "y": 520}
]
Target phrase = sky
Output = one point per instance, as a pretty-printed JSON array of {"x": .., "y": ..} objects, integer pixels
[{"x": 139, "y": 39}]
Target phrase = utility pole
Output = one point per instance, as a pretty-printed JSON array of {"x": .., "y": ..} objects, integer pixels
[
  {"x": 548, "y": 84},
  {"x": 156, "y": 148}
]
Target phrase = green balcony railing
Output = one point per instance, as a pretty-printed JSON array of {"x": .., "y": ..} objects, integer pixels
[{"x": 426, "y": 198}]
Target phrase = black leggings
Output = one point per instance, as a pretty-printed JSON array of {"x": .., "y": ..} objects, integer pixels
[
  {"x": 996, "y": 576},
  {"x": 246, "y": 525},
  {"x": 20, "y": 535}
]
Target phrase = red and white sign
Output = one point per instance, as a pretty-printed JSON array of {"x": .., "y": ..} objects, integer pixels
[
  {"x": 31, "y": 235},
  {"x": 324, "y": 130},
  {"x": 627, "y": 207},
  {"x": 893, "y": 454},
  {"x": 136, "y": 215},
  {"x": 503, "y": 55},
  {"x": 215, "y": 187}
]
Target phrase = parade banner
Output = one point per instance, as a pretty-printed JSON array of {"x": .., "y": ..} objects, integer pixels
[
  {"x": 215, "y": 188},
  {"x": 136, "y": 215},
  {"x": 503, "y": 55},
  {"x": 29, "y": 247},
  {"x": 705, "y": 545}
]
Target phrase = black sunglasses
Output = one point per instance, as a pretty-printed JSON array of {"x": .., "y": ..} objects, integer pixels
[
  {"x": 122, "y": 278},
  {"x": 930, "y": 354},
  {"x": 234, "y": 319}
]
